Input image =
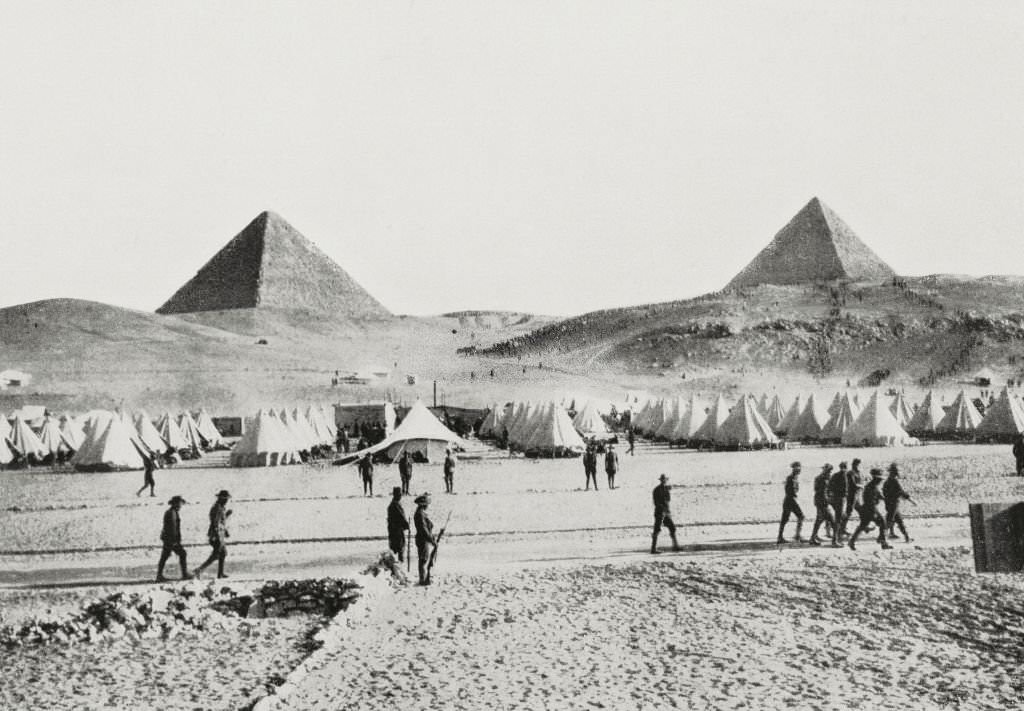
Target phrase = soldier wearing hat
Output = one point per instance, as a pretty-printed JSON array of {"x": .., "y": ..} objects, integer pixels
[
  {"x": 893, "y": 493},
  {"x": 398, "y": 524},
  {"x": 822, "y": 512},
  {"x": 217, "y": 534},
  {"x": 590, "y": 465},
  {"x": 854, "y": 492},
  {"x": 449, "y": 471},
  {"x": 425, "y": 540},
  {"x": 870, "y": 510},
  {"x": 366, "y": 473},
  {"x": 170, "y": 535},
  {"x": 663, "y": 514},
  {"x": 405, "y": 470},
  {"x": 790, "y": 505}
]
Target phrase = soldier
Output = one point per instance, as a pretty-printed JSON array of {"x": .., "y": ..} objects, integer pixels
[
  {"x": 590, "y": 465},
  {"x": 366, "y": 473},
  {"x": 147, "y": 478},
  {"x": 449, "y": 471},
  {"x": 837, "y": 486},
  {"x": 425, "y": 540},
  {"x": 611, "y": 464},
  {"x": 790, "y": 504},
  {"x": 171, "y": 537},
  {"x": 892, "y": 493},
  {"x": 631, "y": 438},
  {"x": 663, "y": 514},
  {"x": 405, "y": 470},
  {"x": 398, "y": 524},
  {"x": 1018, "y": 453},
  {"x": 870, "y": 513},
  {"x": 217, "y": 534},
  {"x": 821, "y": 506},
  {"x": 854, "y": 493}
]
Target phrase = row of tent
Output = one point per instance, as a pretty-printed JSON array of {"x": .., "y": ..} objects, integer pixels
[
  {"x": 277, "y": 437},
  {"x": 753, "y": 423},
  {"x": 102, "y": 439},
  {"x": 543, "y": 429}
]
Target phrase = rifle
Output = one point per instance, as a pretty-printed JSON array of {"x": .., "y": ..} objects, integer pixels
[
  {"x": 437, "y": 541},
  {"x": 408, "y": 551}
]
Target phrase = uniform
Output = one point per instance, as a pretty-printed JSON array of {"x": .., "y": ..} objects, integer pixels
[
  {"x": 823, "y": 513},
  {"x": 170, "y": 536},
  {"x": 663, "y": 514},
  {"x": 449, "y": 473},
  {"x": 893, "y": 493},
  {"x": 590, "y": 466},
  {"x": 790, "y": 505},
  {"x": 854, "y": 488},
  {"x": 870, "y": 511},
  {"x": 425, "y": 540},
  {"x": 405, "y": 471},
  {"x": 366, "y": 472},
  {"x": 217, "y": 534},
  {"x": 611, "y": 466},
  {"x": 398, "y": 524}
]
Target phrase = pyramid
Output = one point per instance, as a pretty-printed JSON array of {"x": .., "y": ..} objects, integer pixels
[
  {"x": 270, "y": 263},
  {"x": 816, "y": 245}
]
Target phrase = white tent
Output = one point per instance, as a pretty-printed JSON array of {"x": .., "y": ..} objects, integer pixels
[
  {"x": 901, "y": 410},
  {"x": 811, "y": 421},
  {"x": 171, "y": 433},
  {"x": 774, "y": 414},
  {"x": 25, "y": 442},
  {"x": 420, "y": 433},
  {"x": 715, "y": 417},
  {"x": 690, "y": 420},
  {"x": 208, "y": 430},
  {"x": 554, "y": 434},
  {"x": 589, "y": 423},
  {"x": 53, "y": 440},
  {"x": 962, "y": 417},
  {"x": 71, "y": 428},
  {"x": 148, "y": 434},
  {"x": 875, "y": 426},
  {"x": 108, "y": 446},
  {"x": 792, "y": 415},
  {"x": 927, "y": 416},
  {"x": 265, "y": 443},
  {"x": 841, "y": 419},
  {"x": 745, "y": 427},
  {"x": 1003, "y": 419},
  {"x": 190, "y": 431}
]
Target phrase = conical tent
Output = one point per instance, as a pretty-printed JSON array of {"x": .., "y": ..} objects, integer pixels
[
  {"x": 72, "y": 431},
  {"x": 318, "y": 423},
  {"x": 208, "y": 430},
  {"x": 811, "y": 421},
  {"x": 927, "y": 417},
  {"x": 265, "y": 443},
  {"x": 875, "y": 426},
  {"x": 1003, "y": 420},
  {"x": 170, "y": 433},
  {"x": 744, "y": 427},
  {"x": 190, "y": 431},
  {"x": 837, "y": 402},
  {"x": 841, "y": 420},
  {"x": 589, "y": 423},
  {"x": 901, "y": 410},
  {"x": 25, "y": 442},
  {"x": 690, "y": 420},
  {"x": 554, "y": 435},
  {"x": 420, "y": 433},
  {"x": 962, "y": 417},
  {"x": 674, "y": 408},
  {"x": 148, "y": 434},
  {"x": 762, "y": 405},
  {"x": 490, "y": 428},
  {"x": 108, "y": 446},
  {"x": 792, "y": 415},
  {"x": 715, "y": 417},
  {"x": 53, "y": 441},
  {"x": 775, "y": 414}
]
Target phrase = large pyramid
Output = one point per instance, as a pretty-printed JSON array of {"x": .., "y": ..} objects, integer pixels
[
  {"x": 270, "y": 263},
  {"x": 816, "y": 245}
]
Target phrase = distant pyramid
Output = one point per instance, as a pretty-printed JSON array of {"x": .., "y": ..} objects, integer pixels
[
  {"x": 816, "y": 245},
  {"x": 270, "y": 263}
]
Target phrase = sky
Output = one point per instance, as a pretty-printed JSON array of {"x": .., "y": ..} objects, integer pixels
[{"x": 549, "y": 157}]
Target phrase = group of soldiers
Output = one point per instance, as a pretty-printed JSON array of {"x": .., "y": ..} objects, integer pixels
[
  {"x": 365, "y": 468},
  {"x": 838, "y": 494},
  {"x": 426, "y": 540},
  {"x": 217, "y": 535},
  {"x": 611, "y": 463}
]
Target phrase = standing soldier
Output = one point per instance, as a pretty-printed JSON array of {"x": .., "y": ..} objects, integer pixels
[
  {"x": 171, "y": 537},
  {"x": 837, "y": 486},
  {"x": 425, "y": 540},
  {"x": 405, "y": 470},
  {"x": 217, "y": 534},
  {"x": 590, "y": 465},
  {"x": 892, "y": 493},
  {"x": 821, "y": 506},
  {"x": 342, "y": 443},
  {"x": 663, "y": 514},
  {"x": 611, "y": 464},
  {"x": 449, "y": 471},
  {"x": 398, "y": 524},
  {"x": 366, "y": 472},
  {"x": 631, "y": 438},
  {"x": 870, "y": 511},
  {"x": 790, "y": 504},
  {"x": 1018, "y": 453}
]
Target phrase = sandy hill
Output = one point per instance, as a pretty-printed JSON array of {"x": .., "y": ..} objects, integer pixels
[
  {"x": 816, "y": 245},
  {"x": 270, "y": 264}
]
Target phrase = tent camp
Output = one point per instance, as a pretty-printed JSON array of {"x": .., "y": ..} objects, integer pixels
[
  {"x": 690, "y": 420},
  {"x": 1003, "y": 420},
  {"x": 875, "y": 426},
  {"x": 25, "y": 442},
  {"x": 589, "y": 423},
  {"x": 811, "y": 421},
  {"x": 715, "y": 417},
  {"x": 792, "y": 415},
  {"x": 421, "y": 434},
  {"x": 745, "y": 428},
  {"x": 108, "y": 446},
  {"x": 554, "y": 435},
  {"x": 927, "y": 417},
  {"x": 961, "y": 419},
  {"x": 843, "y": 416}
]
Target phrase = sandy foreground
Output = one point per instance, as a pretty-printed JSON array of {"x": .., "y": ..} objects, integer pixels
[{"x": 545, "y": 595}]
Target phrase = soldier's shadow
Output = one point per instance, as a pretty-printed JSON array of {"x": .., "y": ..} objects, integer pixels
[{"x": 737, "y": 547}]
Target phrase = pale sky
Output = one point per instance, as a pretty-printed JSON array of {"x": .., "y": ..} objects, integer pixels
[{"x": 551, "y": 157}]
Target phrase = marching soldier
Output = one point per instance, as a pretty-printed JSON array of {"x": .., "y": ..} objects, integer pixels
[
  {"x": 663, "y": 514},
  {"x": 425, "y": 540},
  {"x": 821, "y": 506},
  {"x": 217, "y": 534},
  {"x": 854, "y": 491},
  {"x": 837, "y": 486},
  {"x": 870, "y": 511},
  {"x": 398, "y": 524},
  {"x": 790, "y": 505},
  {"x": 170, "y": 535},
  {"x": 893, "y": 493}
]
